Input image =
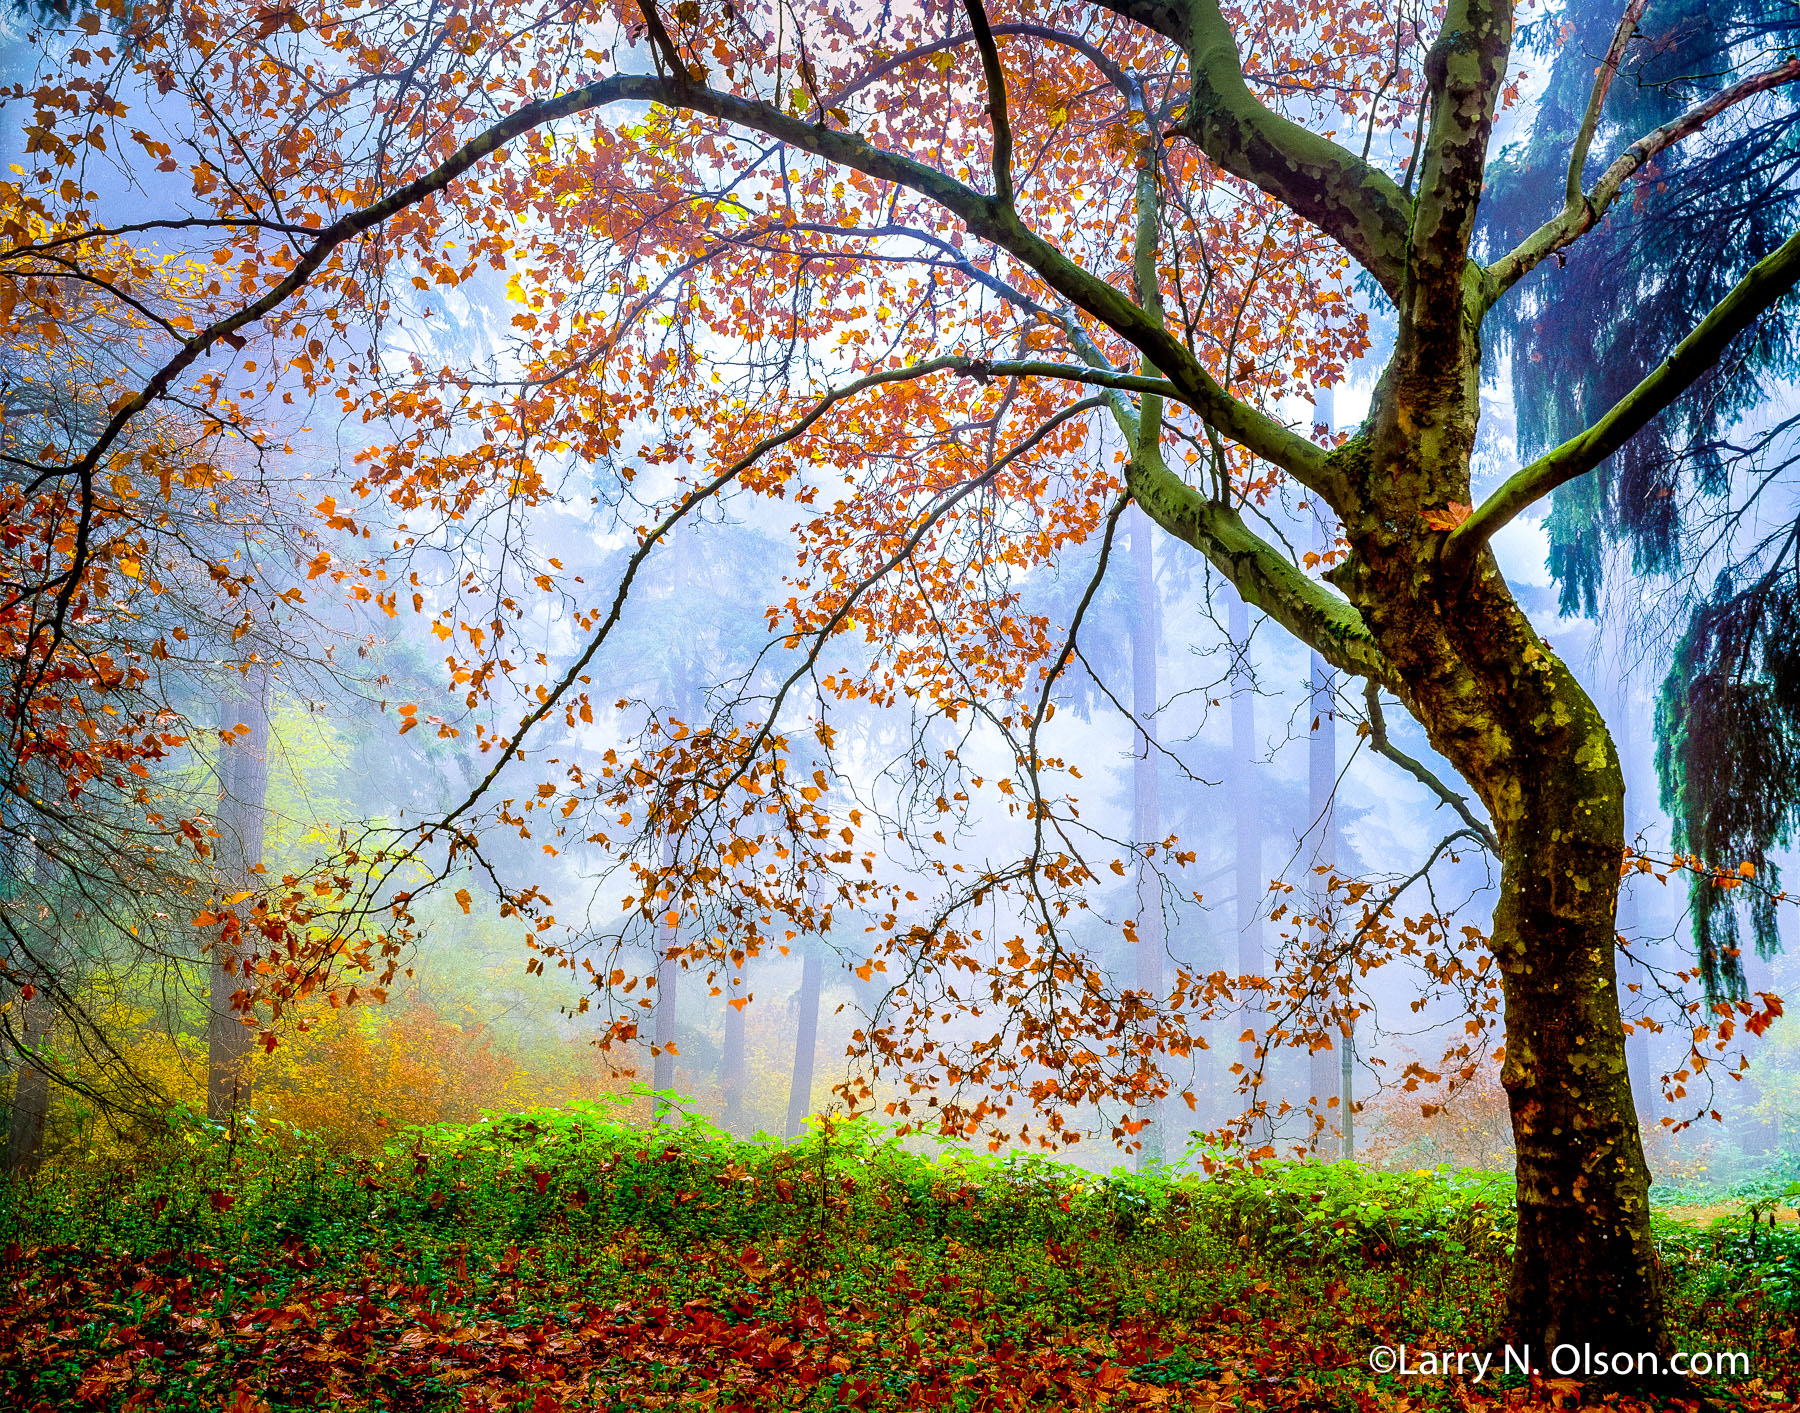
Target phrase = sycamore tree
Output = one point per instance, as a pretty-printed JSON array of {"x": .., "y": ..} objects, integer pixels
[{"x": 941, "y": 290}]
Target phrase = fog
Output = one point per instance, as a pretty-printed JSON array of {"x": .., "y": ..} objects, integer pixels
[{"x": 1190, "y": 719}]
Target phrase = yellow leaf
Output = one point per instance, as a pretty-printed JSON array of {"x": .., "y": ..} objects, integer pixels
[{"x": 463, "y": 898}]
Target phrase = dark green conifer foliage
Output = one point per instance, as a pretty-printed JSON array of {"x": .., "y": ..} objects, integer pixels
[{"x": 1584, "y": 332}]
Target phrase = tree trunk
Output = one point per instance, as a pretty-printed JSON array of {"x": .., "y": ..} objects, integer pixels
[
  {"x": 1146, "y": 800},
  {"x": 731, "y": 1056},
  {"x": 1586, "y": 1268},
  {"x": 31, "y": 1085},
  {"x": 1505, "y": 711},
  {"x": 668, "y": 979},
  {"x": 31, "y": 1091},
  {"x": 806, "y": 1042},
  {"x": 1325, "y": 1072},
  {"x": 1510, "y": 717},
  {"x": 243, "y": 787},
  {"x": 1634, "y": 969},
  {"x": 1247, "y": 811}
]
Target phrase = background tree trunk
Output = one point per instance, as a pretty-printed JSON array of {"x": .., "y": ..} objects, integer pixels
[
  {"x": 1247, "y": 812},
  {"x": 1324, "y": 1070},
  {"x": 806, "y": 1041},
  {"x": 31, "y": 1084},
  {"x": 1146, "y": 800},
  {"x": 1632, "y": 969},
  {"x": 668, "y": 990},
  {"x": 243, "y": 789},
  {"x": 731, "y": 1056},
  {"x": 31, "y": 1090}
]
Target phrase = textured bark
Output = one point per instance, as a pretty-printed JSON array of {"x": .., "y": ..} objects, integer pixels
[
  {"x": 806, "y": 1042},
  {"x": 1508, "y": 714},
  {"x": 243, "y": 787}
]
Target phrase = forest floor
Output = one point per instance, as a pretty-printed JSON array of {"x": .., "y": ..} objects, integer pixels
[{"x": 561, "y": 1262}]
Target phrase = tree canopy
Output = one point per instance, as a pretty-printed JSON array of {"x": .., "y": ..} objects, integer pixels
[{"x": 935, "y": 293}]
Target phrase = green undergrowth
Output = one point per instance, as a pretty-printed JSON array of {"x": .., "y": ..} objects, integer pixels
[{"x": 553, "y": 1261}]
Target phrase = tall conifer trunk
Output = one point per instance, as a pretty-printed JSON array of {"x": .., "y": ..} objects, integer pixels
[
  {"x": 1321, "y": 787},
  {"x": 243, "y": 789},
  {"x": 1145, "y": 796},
  {"x": 1247, "y": 817},
  {"x": 31, "y": 1083},
  {"x": 731, "y": 1055},
  {"x": 806, "y": 1041},
  {"x": 1632, "y": 969},
  {"x": 668, "y": 979},
  {"x": 31, "y": 1091}
]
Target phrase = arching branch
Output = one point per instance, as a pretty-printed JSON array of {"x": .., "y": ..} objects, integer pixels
[
  {"x": 1768, "y": 281},
  {"x": 1581, "y": 214}
]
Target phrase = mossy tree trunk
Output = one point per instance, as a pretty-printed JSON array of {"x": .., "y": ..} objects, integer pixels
[{"x": 1502, "y": 708}]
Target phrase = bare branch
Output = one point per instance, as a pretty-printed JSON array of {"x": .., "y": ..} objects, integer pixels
[
  {"x": 996, "y": 87},
  {"x": 1581, "y": 215},
  {"x": 659, "y": 39},
  {"x": 691, "y": 501},
  {"x": 1378, "y": 738},
  {"x": 1095, "y": 55},
  {"x": 1603, "y": 77},
  {"x": 1356, "y": 204}
]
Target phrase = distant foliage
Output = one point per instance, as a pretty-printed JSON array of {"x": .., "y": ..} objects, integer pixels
[
  {"x": 1469, "y": 1128},
  {"x": 353, "y": 1080}
]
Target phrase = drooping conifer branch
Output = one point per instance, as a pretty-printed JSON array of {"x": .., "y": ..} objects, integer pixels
[{"x": 1768, "y": 281}]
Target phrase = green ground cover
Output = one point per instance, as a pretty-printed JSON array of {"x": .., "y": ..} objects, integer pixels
[{"x": 561, "y": 1261}]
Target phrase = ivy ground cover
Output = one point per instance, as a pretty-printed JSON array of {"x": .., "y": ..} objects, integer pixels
[{"x": 563, "y": 1261}]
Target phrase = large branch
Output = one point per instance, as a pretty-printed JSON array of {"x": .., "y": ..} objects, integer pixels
[
  {"x": 1767, "y": 282},
  {"x": 1465, "y": 68},
  {"x": 983, "y": 215},
  {"x": 1353, "y": 202},
  {"x": 1603, "y": 78},
  {"x": 1263, "y": 577},
  {"x": 995, "y": 76},
  {"x": 1581, "y": 214}
]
